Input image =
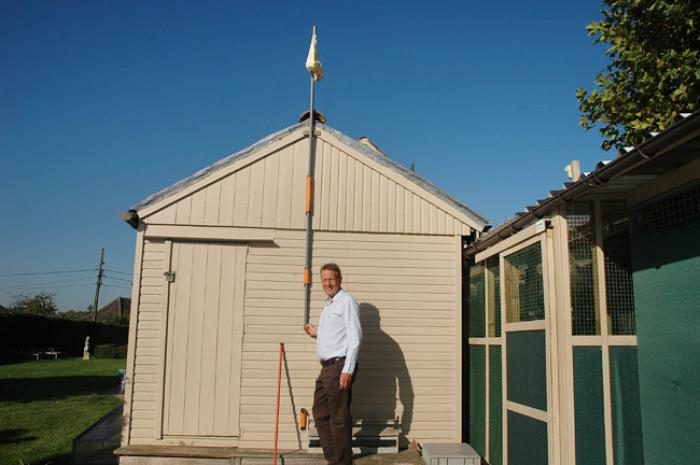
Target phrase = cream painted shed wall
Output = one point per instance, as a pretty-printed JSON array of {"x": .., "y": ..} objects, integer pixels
[
  {"x": 352, "y": 193},
  {"x": 408, "y": 289},
  {"x": 399, "y": 246}
]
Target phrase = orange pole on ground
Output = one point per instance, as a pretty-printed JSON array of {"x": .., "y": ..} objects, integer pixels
[{"x": 279, "y": 388}]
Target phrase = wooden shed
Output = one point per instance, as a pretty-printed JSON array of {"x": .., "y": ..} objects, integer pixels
[
  {"x": 583, "y": 316},
  {"x": 218, "y": 284}
]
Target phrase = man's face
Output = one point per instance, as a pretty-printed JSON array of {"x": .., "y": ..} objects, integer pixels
[{"x": 331, "y": 284}]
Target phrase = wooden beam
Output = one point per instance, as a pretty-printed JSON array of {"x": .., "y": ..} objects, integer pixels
[{"x": 209, "y": 233}]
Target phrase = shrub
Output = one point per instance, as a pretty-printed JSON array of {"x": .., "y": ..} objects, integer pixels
[{"x": 110, "y": 351}]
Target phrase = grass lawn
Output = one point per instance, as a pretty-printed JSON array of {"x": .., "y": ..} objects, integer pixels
[{"x": 45, "y": 404}]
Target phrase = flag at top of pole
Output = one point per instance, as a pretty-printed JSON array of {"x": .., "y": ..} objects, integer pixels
[{"x": 312, "y": 64}]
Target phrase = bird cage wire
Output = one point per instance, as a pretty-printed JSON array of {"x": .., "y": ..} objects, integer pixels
[
  {"x": 585, "y": 314},
  {"x": 524, "y": 283},
  {"x": 676, "y": 208},
  {"x": 615, "y": 227},
  {"x": 477, "y": 301},
  {"x": 493, "y": 271}
]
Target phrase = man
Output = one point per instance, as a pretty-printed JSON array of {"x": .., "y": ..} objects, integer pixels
[{"x": 338, "y": 339}]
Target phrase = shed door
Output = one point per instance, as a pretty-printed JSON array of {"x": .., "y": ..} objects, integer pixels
[{"x": 204, "y": 337}]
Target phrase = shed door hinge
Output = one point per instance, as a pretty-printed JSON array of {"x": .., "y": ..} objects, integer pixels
[{"x": 169, "y": 276}]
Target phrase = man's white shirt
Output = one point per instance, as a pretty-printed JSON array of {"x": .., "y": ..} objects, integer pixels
[{"x": 339, "y": 331}]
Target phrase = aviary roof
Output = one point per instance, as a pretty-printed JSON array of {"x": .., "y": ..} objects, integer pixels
[
  {"x": 672, "y": 148},
  {"x": 473, "y": 215}
]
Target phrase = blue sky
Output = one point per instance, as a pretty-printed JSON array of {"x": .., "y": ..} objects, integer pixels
[{"x": 103, "y": 103}]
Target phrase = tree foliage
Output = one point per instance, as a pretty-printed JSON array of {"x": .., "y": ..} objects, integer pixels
[
  {"x": 42, "y": 303},
  {"x": 654, "y": 69}
]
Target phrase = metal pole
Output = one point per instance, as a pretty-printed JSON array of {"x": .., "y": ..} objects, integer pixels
[
  {"x": 309, "y": 207},
  {"x": 100, "y": 270}
]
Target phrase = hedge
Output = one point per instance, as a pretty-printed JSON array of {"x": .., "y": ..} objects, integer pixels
[
  {"x": 110, "y": 351},
  {"x": 22, "y": 335}
]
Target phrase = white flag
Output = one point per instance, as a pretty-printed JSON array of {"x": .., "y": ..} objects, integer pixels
[{"x": 312, "y": 64}]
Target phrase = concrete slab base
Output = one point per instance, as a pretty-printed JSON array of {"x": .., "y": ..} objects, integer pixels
[{"x": 180, "y": 455}]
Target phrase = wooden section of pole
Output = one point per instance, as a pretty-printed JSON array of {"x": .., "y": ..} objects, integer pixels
[{"x": 279, "y": 390}]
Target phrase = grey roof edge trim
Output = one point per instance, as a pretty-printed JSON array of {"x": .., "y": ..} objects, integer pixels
[
  {"x": 184, "y": 183},
  {"x": 604, "y": 172},
  {"x": 473, "y": 215}
]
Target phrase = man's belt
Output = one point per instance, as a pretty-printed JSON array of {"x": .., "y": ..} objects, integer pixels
[{"x": 331, "y": 361}]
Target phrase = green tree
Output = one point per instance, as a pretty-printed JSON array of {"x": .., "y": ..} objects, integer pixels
[
  {"x": 42, "y": 303},
  {"x": 654, "y": 69}
]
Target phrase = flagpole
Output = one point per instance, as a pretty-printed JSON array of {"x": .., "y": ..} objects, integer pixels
[{"x": 309, "y": 205}]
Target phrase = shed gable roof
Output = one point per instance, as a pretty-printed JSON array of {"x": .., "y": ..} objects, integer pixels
[{"x": 290, "y": 135}]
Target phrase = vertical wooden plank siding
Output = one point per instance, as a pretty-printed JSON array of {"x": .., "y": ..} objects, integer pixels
[
  {"x": 349, "y": 196},
  {"x": 203, "y": 362},
  {"x": 270, "y": 186},
  {"x": 228, "y": 190},
  {"x": 298, "y": 194},
  {"x": 284, "y": 189}
]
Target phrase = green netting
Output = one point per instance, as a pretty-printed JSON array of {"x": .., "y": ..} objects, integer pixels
[
  {"x": 527, "y": 368},
  {"x": 477, "y": 398},
  {"x": 588, "y": 406},
  {"x": 477, "y": 309},
  {"x": 495, "y": 406},
  {"x": 585, "y": 313},
  {"x": 626, "y": 417},
  {"x": 614, "y": 218},
  {"x": 524, "y": 288},
  {"x": 493, "y": 271},
  {"x": 527, "y": 440},
  {"x": 667, "y": 292}
]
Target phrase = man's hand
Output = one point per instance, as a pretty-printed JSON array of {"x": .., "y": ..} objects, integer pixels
[
  {"x": 345, "y": 381},
  {"x": 310, "y": 330}
]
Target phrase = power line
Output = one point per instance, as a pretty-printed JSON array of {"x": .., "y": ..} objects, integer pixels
[
  {"x": 117, "y": 287},
  {"x": 47, "y": 272},
  {"x": 51, "y": 287},
  {"x": 117, "y": 279},
  {"x": 119, "y": 272},
  {"x": 48, "y": 283}
]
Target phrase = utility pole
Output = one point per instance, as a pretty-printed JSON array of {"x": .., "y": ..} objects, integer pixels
[{"x": 100, "y": 271}]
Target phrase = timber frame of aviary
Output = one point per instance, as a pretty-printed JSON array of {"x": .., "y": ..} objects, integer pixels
[{"x": 583, "y": 317}]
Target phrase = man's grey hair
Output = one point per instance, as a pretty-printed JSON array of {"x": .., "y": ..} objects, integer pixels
[{"x": 334, "y": 268}]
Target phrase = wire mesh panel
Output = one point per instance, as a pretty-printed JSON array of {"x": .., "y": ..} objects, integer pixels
[
  {"x": 585, "y": 312},
  {"x": 524, "y": 286},
  {"x": 477, "y": 300},
  {"x": 493, "y": 271},
  {"x": 679, "y": 207},
  {"x": 615, "y": 228}
]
